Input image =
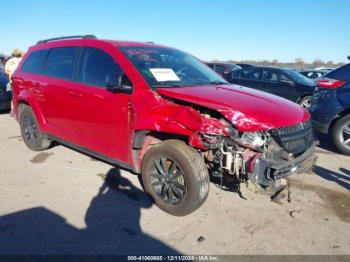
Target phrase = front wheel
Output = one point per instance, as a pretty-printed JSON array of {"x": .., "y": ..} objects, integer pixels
[
  {"x": 176, "y": 177},
  {"x": 341, "y": 135}
]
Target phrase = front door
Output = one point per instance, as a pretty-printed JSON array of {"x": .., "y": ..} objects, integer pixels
[{"x": 99, "y": 119}]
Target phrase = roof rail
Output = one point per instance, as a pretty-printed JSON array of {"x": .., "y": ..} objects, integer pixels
[{"x": 67, "y": 37}]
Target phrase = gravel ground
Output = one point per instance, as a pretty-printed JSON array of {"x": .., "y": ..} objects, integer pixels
[{"x": 60, "y": 202}]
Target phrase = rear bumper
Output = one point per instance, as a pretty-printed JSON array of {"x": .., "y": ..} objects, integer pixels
[{"x": 267, "y": 172}]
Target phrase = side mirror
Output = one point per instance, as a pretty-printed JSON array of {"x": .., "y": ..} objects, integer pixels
[{"x": 119, "y": 84}]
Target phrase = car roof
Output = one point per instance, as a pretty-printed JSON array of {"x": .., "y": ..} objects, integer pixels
[{"x": 115, "y": 43}]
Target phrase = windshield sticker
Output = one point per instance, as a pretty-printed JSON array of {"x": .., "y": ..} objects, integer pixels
[{"x": 164, "y": 74}]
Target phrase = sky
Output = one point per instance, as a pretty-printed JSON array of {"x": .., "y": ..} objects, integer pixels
[{"x": 209, "y": 29}]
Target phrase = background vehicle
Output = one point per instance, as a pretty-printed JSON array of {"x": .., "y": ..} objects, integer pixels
[
  {"x": 242, "y": 65},
  {"x": 330, "y": 108},
  {"x": 278, "y": 81},
  {"x": 5, "y": 96},
  {"x": 161, "y": 113},
  {"x": 313, "y": 74},
  {"x": 223, "y": 69}
]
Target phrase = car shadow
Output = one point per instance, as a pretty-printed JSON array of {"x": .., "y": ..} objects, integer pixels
[
  {"x": 112, "y": 226},
  {"x": 3, "y": 112},
  {"x": 342, "y": 178}
]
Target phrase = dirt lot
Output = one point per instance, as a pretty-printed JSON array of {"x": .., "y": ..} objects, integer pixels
[{"x": 59, "y": 201}]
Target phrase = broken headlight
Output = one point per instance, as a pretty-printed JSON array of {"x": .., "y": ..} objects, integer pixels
[{"x": 255, "y": 139}]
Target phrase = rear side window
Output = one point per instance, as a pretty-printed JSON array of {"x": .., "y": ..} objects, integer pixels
[
  {"x": 250, "y": 73},
  {"x": 35, "y": 61},
  {"x": 219, "y": 69},
  {"x": 97, "y": 67},
  {"x": 342, "y": 73},
  {"x": 60, "y": 62}
]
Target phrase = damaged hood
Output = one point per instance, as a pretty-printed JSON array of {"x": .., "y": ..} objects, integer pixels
[{"x": 245, "y": 108}]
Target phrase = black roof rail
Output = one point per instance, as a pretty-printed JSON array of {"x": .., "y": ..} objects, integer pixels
[{"x": 67, "y": 37}]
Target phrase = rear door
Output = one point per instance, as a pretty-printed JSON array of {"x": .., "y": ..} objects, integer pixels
[
  {"x": 278, "y": 83},
  {"x": 249, "y": 77},
  {"x": 99, "y": 119},
  {"x": 51, "y": 90}
]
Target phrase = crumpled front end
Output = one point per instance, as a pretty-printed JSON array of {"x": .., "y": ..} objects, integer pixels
[{"x": 263, "y": 157}]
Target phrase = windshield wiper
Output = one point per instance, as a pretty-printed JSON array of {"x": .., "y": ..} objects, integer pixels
[
  {"x": 174, "y": 85},
  {"x": 218, "y": 83}
]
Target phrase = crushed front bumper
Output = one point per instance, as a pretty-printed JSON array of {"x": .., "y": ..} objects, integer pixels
[{"x": 267, "y": 171}]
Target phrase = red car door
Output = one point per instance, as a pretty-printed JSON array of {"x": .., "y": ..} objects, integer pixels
[
  {"x": 51, "y": 88},
  {"x": 99, "y": 119}
]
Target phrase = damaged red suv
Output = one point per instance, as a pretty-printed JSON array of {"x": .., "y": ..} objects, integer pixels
[{"x": 158, "y": 112}]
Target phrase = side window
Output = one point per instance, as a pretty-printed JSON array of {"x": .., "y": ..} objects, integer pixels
[
  {"x": 219, "y": 69},
  {"x": 251, "y": 74},
  {"x": 97, "y": 68},
  {"x": 60, "y": 62},
  {"x": 35, "y": 61},
  {"x": 211, "y": 66},
  {"x": 270, "y": 76},
  {"x": 284, "y": 77}
]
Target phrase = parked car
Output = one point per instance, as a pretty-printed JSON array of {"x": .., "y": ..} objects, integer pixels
[
  {"x": 5, "y": 94},
  {"x": 313, "y": 74},
  {"x": 286, "y": 83},
  {"x": 331, "y": 107},
  {"x": 223, "y": 69},
  {"x": 161, "y": 113},
  {"x": 242, "y": 65}
]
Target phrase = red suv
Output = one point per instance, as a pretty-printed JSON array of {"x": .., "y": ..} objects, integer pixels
[{"x": 158, "y": 112}]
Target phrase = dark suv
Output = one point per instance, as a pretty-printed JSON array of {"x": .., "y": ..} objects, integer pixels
[
  {"x": 161, "y": 113},
  {"x": 331, "y": 107},
  {"x": 223, "y": 69},
  {"x": 278, "y": 81}
]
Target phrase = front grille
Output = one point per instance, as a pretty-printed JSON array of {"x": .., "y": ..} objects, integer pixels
[{"x": 295, "y": 139}]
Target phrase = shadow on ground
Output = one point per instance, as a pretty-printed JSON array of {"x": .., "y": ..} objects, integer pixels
[
  {"x": 325, "y": 142},
  {"x": 112, "y": 226},
  {"x": 342, "y": 178}
]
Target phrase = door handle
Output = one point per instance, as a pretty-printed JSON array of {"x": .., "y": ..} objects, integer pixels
[{"x": 75, "y": 94}]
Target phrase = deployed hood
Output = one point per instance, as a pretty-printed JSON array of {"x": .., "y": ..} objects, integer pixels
[{"x": 245, "y": 108}]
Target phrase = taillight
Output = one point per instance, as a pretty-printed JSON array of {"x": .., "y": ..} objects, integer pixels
[{"x": 330, "y": 83}]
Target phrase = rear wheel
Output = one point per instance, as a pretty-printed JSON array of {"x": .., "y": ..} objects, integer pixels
[
  {"x": 341, "y": 135},
  {"x": 305, "y": 101},
  {"x": 176, "y": 177},
  {"x": 30, "y": 130}
]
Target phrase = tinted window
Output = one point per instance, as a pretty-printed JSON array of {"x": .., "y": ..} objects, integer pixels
[
  {"x": 342, "y": 73},
  {"x": 60, "y": 62},
  {"x": 35, "y": 61},
  {"x": 250, "y": 73},
  {"x": 271, "y": 76},
  {"x": 219, "y": 69},
  {"x": 97, "y": 68}
]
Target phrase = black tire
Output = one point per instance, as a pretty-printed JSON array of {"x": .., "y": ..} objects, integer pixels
[
  {"x": 189, "y": 168},
  {"x": 31, "y": 134},
  {"x": 305, "y": 101},
  {"x": 339, "y": 136}
]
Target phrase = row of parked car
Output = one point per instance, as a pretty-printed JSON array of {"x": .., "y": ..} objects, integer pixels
[{"x": 324, "y": 92}]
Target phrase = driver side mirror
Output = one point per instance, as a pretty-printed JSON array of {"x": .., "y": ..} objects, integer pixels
[{"x": 118, "y": 83}]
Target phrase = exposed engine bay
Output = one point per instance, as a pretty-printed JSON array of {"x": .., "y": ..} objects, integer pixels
[{"x": 263, "y": 157}]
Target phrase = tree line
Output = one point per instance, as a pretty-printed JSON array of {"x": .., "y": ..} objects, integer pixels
[{"x": 298, "y": 63}]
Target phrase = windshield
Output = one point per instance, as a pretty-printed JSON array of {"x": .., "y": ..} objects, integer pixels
[
  {"x": 166, "y": 67},
  {"x": 299, "y": 78}
]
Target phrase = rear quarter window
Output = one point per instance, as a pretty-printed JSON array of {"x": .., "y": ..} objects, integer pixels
[
  {"x": 342, "y": 73},
  {"x": 35, "y": 61}
]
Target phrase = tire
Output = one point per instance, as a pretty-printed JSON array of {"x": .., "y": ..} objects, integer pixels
[
  {"x": 190, "y": 172},
  {"x": 305, "y": 102},
  {"x": 31, "y": 134},
  {"x": 340, "y": 134}
]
